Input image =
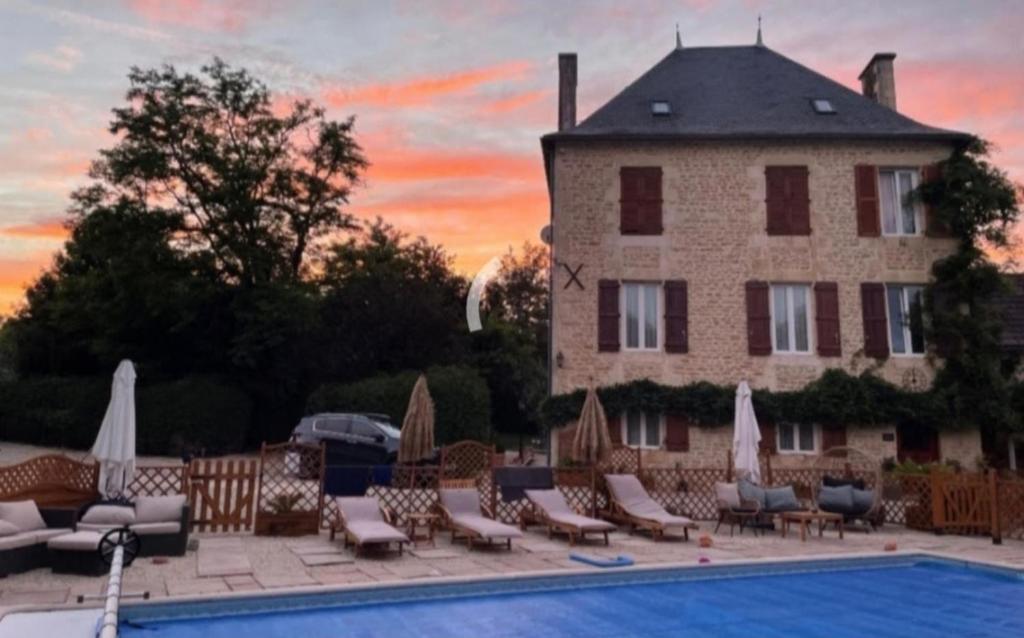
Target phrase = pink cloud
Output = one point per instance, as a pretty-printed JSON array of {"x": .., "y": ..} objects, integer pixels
[{"x": 203, "y": 15}]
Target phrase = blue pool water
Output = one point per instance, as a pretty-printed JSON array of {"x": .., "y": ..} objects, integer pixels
[{"x": 901, "y": 599}]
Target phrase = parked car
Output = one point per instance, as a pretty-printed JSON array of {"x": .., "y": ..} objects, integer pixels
[{"x": 352, "y": 439}]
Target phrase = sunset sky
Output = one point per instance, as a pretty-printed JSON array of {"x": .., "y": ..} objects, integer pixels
[{"x": 450, "y": 97}]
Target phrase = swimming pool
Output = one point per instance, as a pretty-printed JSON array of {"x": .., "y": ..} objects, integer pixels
[{"x": 879, "y": 597}]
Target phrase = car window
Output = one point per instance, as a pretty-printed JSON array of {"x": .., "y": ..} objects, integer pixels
[
  {"x": 389, "y": 429},
  {"x": 334, "y": 426},
  {"x": 362, "y": 428}
]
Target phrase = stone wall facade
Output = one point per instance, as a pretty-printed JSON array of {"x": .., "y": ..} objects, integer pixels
[{"x": 714, "y": 237}]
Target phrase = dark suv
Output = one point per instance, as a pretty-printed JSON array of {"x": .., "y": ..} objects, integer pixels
[{"x": 352, "y": 439}]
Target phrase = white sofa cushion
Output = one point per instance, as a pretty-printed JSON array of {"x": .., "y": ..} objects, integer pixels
[
  {"x": 16, "y": 541},
  {"x": 22, "y": 514},
  {"x": 96, "y": 527},
  {"x": 8, "y": 529},
  {"x": 159, "y": 509},
  {"x": 43, "y": 535},
  {"x": 115, "y": 515},
  {"x": 76, "y": 541},
  {"x": 150, "y": 529}
]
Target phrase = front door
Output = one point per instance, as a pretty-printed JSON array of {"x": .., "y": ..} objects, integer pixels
[{"x": 917, "y": 444}]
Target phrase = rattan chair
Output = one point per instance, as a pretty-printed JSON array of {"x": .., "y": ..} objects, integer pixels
[{"x": 848, "y": 463}]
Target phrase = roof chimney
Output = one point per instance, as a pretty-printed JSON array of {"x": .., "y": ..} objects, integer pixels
[
  {"x": 878, "y": 80},
  {"x": 566, "y": 91}
]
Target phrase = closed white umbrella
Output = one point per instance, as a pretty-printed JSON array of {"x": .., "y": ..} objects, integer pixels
[
  {"x": 746, "y": 436},
  {"x": 114, "y": 448}
]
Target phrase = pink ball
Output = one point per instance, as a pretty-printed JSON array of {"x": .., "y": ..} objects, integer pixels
[{"x": 704, "y": 560}]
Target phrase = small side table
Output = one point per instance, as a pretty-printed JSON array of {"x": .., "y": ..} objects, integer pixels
[
  {"x": 805, "y": 519},
  {"x": 420, "y": 527}
]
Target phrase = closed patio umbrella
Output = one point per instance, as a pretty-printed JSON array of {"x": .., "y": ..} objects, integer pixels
[
  {"x": 114, "y": 448},
  {"x": 746, "y": 436},
  {"x": 417, "y": 440},
  {"x": 592, "y": 442}
]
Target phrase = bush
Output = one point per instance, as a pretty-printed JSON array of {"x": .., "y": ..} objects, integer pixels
[
  {"x": 461, "y": 400},
  {"x": 200, "y": 412}
]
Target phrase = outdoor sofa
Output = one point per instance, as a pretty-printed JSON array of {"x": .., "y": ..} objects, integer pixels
[
  {"x": 630, "y": 503},
  {"x": 161, "y": 522},
  {"x": 462, "y": 513},
  {"x": 734, "y": 509},
  {"x": 852, "y": 499},
  {"x": 551, "y": 510},
  {"x": 362, "y": 521},
  {"x": 24, "y": 532}
]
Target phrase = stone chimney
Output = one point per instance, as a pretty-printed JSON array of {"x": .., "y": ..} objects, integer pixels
[
  {"x": 878, "y": 80},
  {"x": 566, "y": 91}
]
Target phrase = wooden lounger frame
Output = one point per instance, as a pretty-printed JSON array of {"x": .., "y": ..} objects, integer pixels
[
  {"x": 617, "y": 514},
  {"x": 470, "y": 535},
  {"x": 537, "y": 515},
  {"x": 349, "y": 539}
]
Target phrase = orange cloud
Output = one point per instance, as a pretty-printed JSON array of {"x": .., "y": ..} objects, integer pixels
[
  {"x": 15, "y": 276},
  {"x": 47, "y": 229},
  {"x": 514, "y": 102},
  {"x": 402, "y": 165},
  {"x": 424, "y": 89}
]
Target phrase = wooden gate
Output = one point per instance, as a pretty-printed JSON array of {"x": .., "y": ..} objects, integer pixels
[
  {"x": 962, "y": 502},
  {"x": 222, "y": 493}
]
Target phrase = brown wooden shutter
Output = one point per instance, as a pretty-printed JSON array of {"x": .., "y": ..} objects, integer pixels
[
  {"x": 615, "y": 428},
  {"x": 769, "y": 441},
  {"x": 869, "y": 223},
  {"x": 640, "y": 200},
  {"x": 934, "y": 227},
  {"x": 676, "y": 311},
  {"x": 799, "y": 200},
  {"x": 677, "y": 433},
  {"x": 876, "y": 338},
  {"x": 787, "y": 200},
  {"x": 607, "y": 315},
  {"x": 826, "y": 314},
  {"x": 759, "y": 320},
  {"x": 775, "y": 200},
  {"x": 833, "y": 437}
]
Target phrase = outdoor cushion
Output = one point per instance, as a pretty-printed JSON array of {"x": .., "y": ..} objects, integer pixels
[
  {"x": 461, "y": 501},
  {"x": 626, "y": 488},
  {"x": 159, "y": 509},
  {"x": 863, "y": 500},
  {"x": 375, "y": 532},
  {"x": 750, "y": 492},
  {"x": 552, "y": 502},
  {"x": 486, "y": 527},
  {"x": 8, "y": 529},
  {"x": 728, "y": 494},
  {"x": 836, "y": 499},
  {"x": 43, "y": 535},
  {"x": 115, "y": 515},
  {"x": 583, "y": 523},
  {"x": 781, "y": 499},
  {"x": 96, "y": 527},
  {"x": 151, "y": 529},
  {"x": 833, "y": 481},
  {"x": 76, "y": 542},
  {"x": 17, "y": 541},
  {"x": 22, "y": 514},
  {"x": 359, "y": 508}
]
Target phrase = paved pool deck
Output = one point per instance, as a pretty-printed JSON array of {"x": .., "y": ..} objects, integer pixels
[{"x": 243, "y": 562}]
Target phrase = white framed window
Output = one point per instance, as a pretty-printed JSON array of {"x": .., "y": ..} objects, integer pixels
[
  {"x": 640, "y": 321},
  {"x": 906, "y": 320},
  {"x": 791, "y": 318},
  {"x": 797, "y": 438},
  {"x": 643, "y": 429},
  {"x": 899, "y": 216}
]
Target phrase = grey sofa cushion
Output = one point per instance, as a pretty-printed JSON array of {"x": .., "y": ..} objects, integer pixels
[
  {"x": 115, "y": 515},
  {"x": 76, "y": 542},
  {"x": 751, "y": 492},
  {"x": 838, "y": 500},
  {"x": 863, "y": 500},
  {"x": 22, "y": 514},
  {"x": 159, "y": 509},
  {"x": 781, "y": 499}
]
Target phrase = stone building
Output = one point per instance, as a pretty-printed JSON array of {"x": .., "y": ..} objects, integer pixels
[{"x": 734, "y": 215}]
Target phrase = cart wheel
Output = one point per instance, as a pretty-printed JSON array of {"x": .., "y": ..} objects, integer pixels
[{"x": 124, "y": 537}]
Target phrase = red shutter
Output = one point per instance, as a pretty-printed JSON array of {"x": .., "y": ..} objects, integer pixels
[
  {"x": 869, "y": 223},
  {"x": 769, "y": 441},
  {"x": 775, "y": 200},
  {"x": 833, "y": 437},
  {"x": 615, "y": 428},
  {"x": 826, "y": 313},
  {"x": 759, "y": 320},
  {"x": 607, "y": 316},
  {"x": 934, "y": 227},
  {"x": 640, "y": 200},
  {"x": 876, "y": 338},
  {"x": 799, "y": 201},
  {"x": 787, "y": 200},
  {"x": 676, "y": 337},
  {"x": 677, "y": 433}
]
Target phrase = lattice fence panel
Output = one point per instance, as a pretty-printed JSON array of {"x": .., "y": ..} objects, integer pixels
[
  {"x": 907, "y": 499},
  {"x": 158, "y": 480},
  {"x": 1011, "y": 508},
  {"x": 412, "y": 490},
  {"x": 466, "y": 460},
  {"x": 685, "y": 491},
  {"x": 49, "y": 479},
  {"x": 621, "y": 460},
  {"x": 291, "y": 470}
]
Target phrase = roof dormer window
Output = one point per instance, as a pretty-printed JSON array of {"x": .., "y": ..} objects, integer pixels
[
  {"x": 661, "y": 108},
  {"x": 823, "y": 106}
]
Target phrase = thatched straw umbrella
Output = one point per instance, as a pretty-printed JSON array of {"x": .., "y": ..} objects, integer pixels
[
  {"x": 417, "y": 441},
  {"x": 592, "y": 442}
]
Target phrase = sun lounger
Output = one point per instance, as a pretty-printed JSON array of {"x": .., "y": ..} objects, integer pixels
[
  {"x": 631, "y": 504},
  {"x": 364, "y": 522},
  {"x": 550, "y": 509},
  {"x": 463, "y": 514}
]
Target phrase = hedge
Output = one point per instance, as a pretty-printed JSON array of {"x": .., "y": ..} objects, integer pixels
[
  {"x": 195, "y": 412},
  {"x": 835, "y": 398},
  {"x": 461, "y": 400}
]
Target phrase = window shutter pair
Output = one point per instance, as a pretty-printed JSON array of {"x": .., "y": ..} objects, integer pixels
[
  {"x": 869, "y": 223},
  {"x": 677, "y": 433},
  {"x": 787, "y": 200},
  {"x": 759, "y": 319},
  {"x": 872, "y": 303},
  {"x": 676, "y": 316},
  {"x": 640, "y": 200}
]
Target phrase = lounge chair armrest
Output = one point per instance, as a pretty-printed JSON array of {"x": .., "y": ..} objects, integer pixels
[
  {"x": 389, "y": 514},
  {"x": 488, "y": 512}
]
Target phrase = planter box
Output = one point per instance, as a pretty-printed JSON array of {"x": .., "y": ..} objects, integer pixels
[{"x": 287, "y": 524}]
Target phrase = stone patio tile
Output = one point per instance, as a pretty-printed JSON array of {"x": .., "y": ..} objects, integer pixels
[
  {"x": 270, "y": 581},
  {"x": 315, "y": 560},
  {"x": 414, "y": 570},
  {"x": 460, "y": 567},
  {"x": 242, "y": 583},
  {"x": 344, "y": 568},
  {"x": 439, "y": 552},
  {"x": 344, "y": 578},
  {"x": 193, "y": 587},
  {"x": 39, "y": 597},
  {"x": 314, "y": 547}
]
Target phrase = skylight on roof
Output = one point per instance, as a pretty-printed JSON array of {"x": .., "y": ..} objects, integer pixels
[
  {"x": 661, "y": 107},
  {"x": 823, "y": 106}
]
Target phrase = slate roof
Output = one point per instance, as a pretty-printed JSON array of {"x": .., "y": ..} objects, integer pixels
[{"x": 743, "y": 92}]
